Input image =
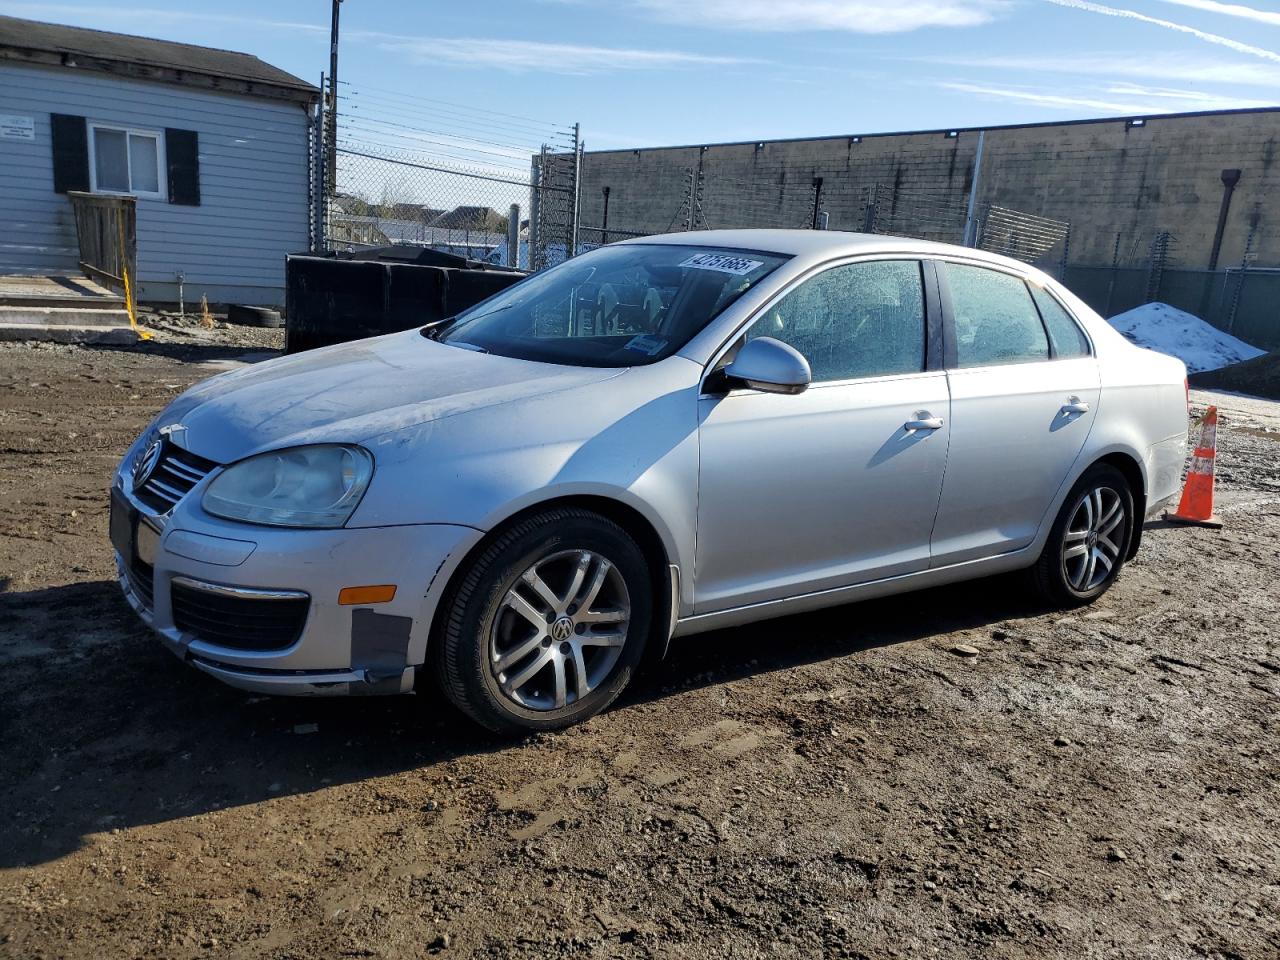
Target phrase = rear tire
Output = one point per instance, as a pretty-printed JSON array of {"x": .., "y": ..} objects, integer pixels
[
  {"x": 1089, "y": 540},
  {"x": 546, "y": 626}
]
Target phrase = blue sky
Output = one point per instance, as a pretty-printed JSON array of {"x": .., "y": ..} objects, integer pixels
[{"x": 653, "y": 72}]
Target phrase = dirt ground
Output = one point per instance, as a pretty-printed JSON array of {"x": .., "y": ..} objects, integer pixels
[{"x": 1102, "y": 783}]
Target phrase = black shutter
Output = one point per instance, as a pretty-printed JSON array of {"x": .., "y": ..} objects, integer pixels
[
  {"x": 182, "y": 154},
  {"x": 70, "y": 136}
]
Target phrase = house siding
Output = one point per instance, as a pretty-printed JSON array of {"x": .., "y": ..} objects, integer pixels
[{"x": 253, "y": 185}]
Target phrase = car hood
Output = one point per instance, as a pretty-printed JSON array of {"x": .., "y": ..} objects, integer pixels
[{"x": 353, "y": 392}]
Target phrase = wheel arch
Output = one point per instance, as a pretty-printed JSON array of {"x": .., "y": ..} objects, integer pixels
[
  {"x": 1131, "y": 467},
  {"x": 662, "y": 569}
]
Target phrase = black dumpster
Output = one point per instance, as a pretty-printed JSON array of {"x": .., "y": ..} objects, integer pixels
[{"x": 336, "y": 297}]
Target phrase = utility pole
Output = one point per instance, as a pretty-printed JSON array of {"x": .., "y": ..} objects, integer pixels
[{"x": 331, "y": 153}]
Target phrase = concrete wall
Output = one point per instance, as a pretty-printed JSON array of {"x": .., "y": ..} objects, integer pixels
[
  {"x": 253, "y": 185},
  {"x": 1108, "y": 178}
]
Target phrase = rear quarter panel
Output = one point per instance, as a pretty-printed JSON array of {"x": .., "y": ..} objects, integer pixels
[{"x": 1143, "y": 409}]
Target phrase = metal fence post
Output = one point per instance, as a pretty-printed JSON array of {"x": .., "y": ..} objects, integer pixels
[
  {"x": 1115, "y": 269},
  {"x": 1248, "y": 258},
  {"x": 513, "y": 236},
  {"x": 316, "y": 177},
  {"x": 872, "y": 210},
  {"x": 577, "y": 181},
  {"x": 535, "y": 210},
  {"x": 1160, "y": 248},
  {"x": 604, "y": 219},
  {"x": 970, "y": 225}
]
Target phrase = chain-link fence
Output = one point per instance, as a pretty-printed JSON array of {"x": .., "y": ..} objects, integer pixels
[
  {"x": 509, "y": 190},
  {"x": 430, "y": 174},
  {"x": 1147, "y": 267}
]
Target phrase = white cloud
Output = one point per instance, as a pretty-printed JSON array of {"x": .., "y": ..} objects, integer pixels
[
  {"x": 1059, "y": 101},
  {"x": 1231, "y": 10},
  {"x": 519, "y": 56},
  {"x": 516, "y": 56},
  {"x": 1117, "y": 65},
  {"x": 1170, "y": 25},
  {"x": 1187, "y": 99},
  {"x": 852, "y": 16},
  {"x": 1123, "y": 98}
]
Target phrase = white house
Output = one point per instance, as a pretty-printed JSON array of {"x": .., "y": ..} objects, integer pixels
[{"x": 213, "y": 144}]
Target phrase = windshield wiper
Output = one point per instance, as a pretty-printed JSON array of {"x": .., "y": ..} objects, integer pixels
[{"x": 435, "y": 328}]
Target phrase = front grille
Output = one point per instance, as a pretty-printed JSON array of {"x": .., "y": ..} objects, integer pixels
[
  {"x": 174, "y": 475},
  {"x": 238, "y": 623},
  {"x": 142, "y": 577}
]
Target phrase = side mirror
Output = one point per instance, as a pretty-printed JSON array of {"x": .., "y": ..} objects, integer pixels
[{"x": 770, "y": 366}]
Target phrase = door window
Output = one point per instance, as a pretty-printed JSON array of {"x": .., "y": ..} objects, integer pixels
[
  {"x": 857, "y": 320},
  {"x": 1068, "y": 339},
  {"x": 995, "y": 318}
]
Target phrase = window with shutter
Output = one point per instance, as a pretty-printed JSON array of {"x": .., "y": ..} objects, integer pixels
[
  {"x": 125, "y": 160},
  {"x": 69, "y": 135},
  {"x": 182, "y": 149}
]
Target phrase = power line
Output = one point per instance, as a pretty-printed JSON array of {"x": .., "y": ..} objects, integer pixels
[
  {"x": 415, "y": 128},
  {"x": 463, "y": 106},
  {"x": 358, "y": 100},
  {"x": 370, "y": 127}
]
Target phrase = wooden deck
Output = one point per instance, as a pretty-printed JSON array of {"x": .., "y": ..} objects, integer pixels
[{"x": 66, "y": 291}]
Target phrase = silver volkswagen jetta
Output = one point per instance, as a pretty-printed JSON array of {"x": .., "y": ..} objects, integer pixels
[{"x": 657, "y": 438}]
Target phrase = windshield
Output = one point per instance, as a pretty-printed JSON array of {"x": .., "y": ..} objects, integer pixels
[{"x": 617, "y": 306}]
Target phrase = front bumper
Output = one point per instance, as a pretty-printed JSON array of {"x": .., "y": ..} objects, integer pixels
[{"x": 338, "y": 649}]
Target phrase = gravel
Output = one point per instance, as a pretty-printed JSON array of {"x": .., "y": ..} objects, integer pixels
[{"x": 834, "y": 784}]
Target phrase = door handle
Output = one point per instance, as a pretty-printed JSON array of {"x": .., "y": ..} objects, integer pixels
[
  {"x": 1075, "y": 405},
  {"x": 924, "y": 422}
]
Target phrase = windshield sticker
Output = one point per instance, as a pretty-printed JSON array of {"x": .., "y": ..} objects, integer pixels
[
  {"x": 650, "y": 346},
  {"x": 738, "y": 266}
]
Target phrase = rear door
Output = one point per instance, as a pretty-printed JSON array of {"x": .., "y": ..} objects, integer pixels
[{"x": 1022, "y": 405}]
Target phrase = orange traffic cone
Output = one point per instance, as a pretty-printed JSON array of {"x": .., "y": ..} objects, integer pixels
[{"x": 1196, "y": 506}]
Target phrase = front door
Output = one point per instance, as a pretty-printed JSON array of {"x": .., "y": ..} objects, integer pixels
[
  {"x": 1024, "y": 392},
  {"x": 837, "y": 485}
]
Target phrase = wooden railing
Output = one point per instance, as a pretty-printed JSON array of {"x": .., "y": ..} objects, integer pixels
[{"x": 106, "y": 230}]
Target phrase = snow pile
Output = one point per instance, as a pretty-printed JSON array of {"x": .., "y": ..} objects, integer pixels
[{"x": 1201, "y": 346}]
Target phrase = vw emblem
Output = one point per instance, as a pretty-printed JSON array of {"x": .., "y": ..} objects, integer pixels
[
  {"x": 562, "y": 629},
  {"x": 146, "y": 463}
]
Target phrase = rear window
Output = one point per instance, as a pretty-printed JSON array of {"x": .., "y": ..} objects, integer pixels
[{"x": 995, "y": 319}]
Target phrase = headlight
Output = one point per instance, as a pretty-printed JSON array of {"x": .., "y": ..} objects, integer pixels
[{"x": 316, "y": 486}]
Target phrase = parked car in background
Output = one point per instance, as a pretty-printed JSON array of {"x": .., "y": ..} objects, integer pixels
[{"x": 657, "y": 438}]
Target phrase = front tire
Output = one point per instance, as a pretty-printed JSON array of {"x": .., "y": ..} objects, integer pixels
[
  {"x": 547, "y": 624},
  {"x": 1089, "y": 540}
]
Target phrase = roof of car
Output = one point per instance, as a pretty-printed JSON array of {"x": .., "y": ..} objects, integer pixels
[{"x": 819, "y": 242}]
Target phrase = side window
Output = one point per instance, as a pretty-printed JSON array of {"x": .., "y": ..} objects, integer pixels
[
  {"x": 995, "y": 318},
  {"x": 859, "y": 320},
  {"x": 1068, "y": 339}
]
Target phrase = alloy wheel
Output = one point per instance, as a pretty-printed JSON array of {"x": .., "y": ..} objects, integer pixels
[
  {"x": 1090, "y": 546},
  {"x": 559, "y": 630}
]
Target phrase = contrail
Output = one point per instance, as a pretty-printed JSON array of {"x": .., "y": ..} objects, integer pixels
[
  {"x": 1169, "y": 24},
  {"x": 1231, "y": 10}
]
